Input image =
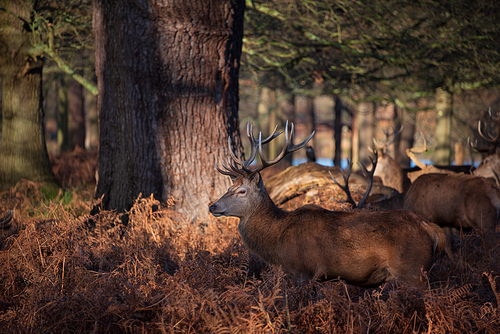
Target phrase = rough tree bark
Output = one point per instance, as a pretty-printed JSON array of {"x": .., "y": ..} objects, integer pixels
[
  {"x": 23, "y": 153},
  {"x": 168, "y": 97}
]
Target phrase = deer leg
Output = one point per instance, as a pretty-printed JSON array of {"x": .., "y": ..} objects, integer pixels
[{"x": 448, "y": 248}]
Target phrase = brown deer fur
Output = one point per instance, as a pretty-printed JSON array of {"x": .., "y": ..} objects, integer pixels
[
  {"x": 458, "y": 201},
  {"x": 365, "y": 248},
  {"x": 390, "y": 172}
]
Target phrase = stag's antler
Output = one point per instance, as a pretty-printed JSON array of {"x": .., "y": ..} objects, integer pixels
[
  {"x": 411, "y": 153},
  {"x": 238, "y": 167},
  {"x": 6, "y": 221},
  {"x": 368, "y": 174},
  {"x": 488, "y": 137},
  {"x": 382, "y": 145}
]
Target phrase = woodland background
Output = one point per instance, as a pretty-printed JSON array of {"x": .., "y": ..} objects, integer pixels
[{"x": 346, "y": 69}]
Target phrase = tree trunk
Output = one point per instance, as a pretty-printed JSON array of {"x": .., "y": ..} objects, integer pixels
[
  {"x": 77, "y": 114},
  {"x": 442, "y": 154},
  {"x": 311, "y": 120},
  {"x": 286, "y": 102},
  {"x": 168, "y": 99},
  {"x": 266, "y": 103},
  {"x": 23, "y": 153},
  {"x": 337, "y": 131},
  {"x": 365, "y": 130},
  {"x": 405, "y": 140},
  {"x": 63, "y": 135},
  {"x": 91, "y": 122}
]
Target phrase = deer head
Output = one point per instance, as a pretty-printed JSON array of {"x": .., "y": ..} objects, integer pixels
[
  {"x": 490, "y": 166},
  {"x": 248, "y": 187},
  {"x": 388, "y": 169}
]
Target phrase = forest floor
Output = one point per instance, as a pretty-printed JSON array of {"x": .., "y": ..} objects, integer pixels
[{"x": 63, "y": 270}]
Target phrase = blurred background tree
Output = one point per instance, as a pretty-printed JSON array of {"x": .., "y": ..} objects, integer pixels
[{"x": 33, "y": 36}]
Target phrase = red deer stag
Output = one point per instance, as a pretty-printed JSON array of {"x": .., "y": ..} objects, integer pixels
[
  {"x": 388, "y": 169},
  {"x": 456, "y": 201},
  {"x": 364, "y": 248},
  {"x": 490, "y": 166}
]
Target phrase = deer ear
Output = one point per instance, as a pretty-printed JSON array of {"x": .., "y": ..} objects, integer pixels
[{"x": 257, "y": 178}]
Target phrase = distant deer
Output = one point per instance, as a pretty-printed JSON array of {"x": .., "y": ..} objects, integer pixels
[
  {"x": 459, "y": 201},
  {"x": 388, "y": 169},
  {"x": 490, "y": 166},
  {"x": 454, "y": 200},
  {"x": 363, "y": 248},
  {"x": 424, "y": 168}
]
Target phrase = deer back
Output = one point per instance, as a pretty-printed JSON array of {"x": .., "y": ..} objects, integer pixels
[{"x": 455, "y": 200}]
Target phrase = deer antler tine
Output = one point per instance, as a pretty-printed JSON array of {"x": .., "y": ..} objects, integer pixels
[
  {"x": 224, "y": 172},
  {"x": 272, "y": 136},
  {"x": 368, "y": 174},
  {"x": 488, "y": 137},
  {"x": 233, "y": 156},
  {"x": 345, "y": 187}
]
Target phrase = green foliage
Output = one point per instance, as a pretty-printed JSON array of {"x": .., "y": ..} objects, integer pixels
[{"x": 381, "y": 46}]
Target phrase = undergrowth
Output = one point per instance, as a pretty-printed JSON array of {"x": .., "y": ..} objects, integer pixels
[{"x": 63, "y": 270}]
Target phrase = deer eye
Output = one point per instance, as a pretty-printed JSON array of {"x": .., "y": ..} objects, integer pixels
[{"x": 242, "y": 192}]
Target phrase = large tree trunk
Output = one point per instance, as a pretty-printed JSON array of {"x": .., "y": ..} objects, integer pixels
[
  {"x": 168, "y": 99},
  {"x": 23, "y": 153},
  {"x": 442, "y": 154}
]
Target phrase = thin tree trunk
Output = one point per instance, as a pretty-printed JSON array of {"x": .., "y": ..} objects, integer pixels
[
  {"x": 287, "y": 105},
  {"x": 311, "y": 120},
  {"x": 405, "y": 139},
  {"x": 63, "y": 136},
  {"x": 365, "y": 130},
  {"x": 77, "y": 114},
  {"x": 168, "y": 99},
  {"x": 91, "y": 122},
  {"x": 23, "y": 153},
  {"x": 337, "y": 131},
  {"x": 266, "y": 102},
  {"x": 444, "y": 112}
]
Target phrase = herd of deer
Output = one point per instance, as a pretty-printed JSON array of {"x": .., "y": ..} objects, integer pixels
[{"x": 363, "y": 247}]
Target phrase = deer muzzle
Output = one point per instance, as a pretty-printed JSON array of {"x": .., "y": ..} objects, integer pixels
[{"x": 215, "y": 210}]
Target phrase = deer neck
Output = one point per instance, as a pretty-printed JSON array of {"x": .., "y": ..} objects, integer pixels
[{"x": 261, "y": 229}]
